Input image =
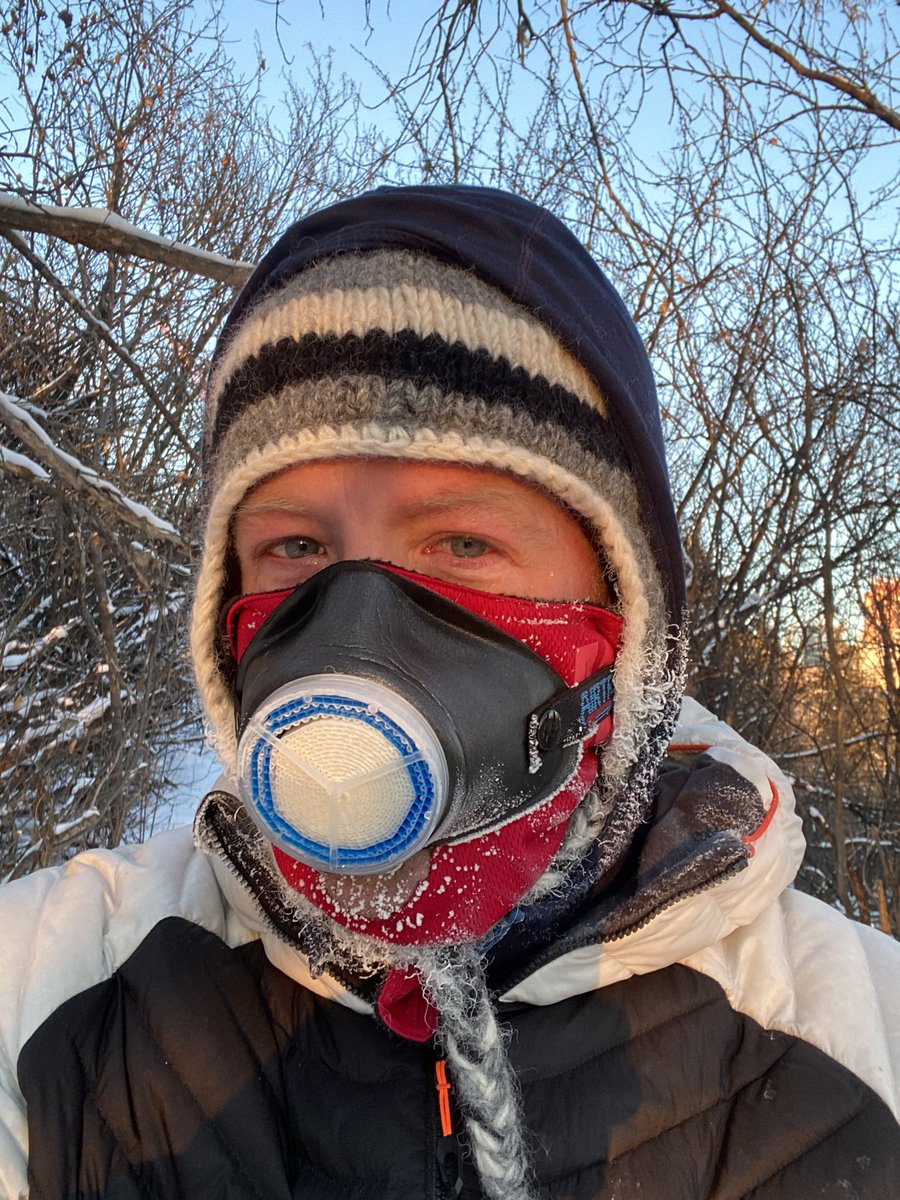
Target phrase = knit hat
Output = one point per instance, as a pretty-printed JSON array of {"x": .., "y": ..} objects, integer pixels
[{"x": 460, "y": 325}]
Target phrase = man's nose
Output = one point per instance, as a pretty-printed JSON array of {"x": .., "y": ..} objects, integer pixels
[{"x": 372, "y": 543}]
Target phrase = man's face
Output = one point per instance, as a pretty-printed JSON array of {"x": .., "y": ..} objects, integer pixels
[{"x": 471, "y": 526}]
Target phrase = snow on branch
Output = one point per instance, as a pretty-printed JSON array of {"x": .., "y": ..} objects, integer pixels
[
  {"x": 816, "y": 751},
  {"x": 103, "y": 230},
  {"x": 84, "y": 479},
  {"x": 21, "y": 465}
]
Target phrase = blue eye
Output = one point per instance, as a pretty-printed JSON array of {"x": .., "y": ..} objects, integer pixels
[
  {"x": 466, "y": 547},
  {"x": 297, "y": 547}
]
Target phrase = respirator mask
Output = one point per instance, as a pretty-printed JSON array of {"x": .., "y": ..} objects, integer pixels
[{"x": 381, "y": 713}]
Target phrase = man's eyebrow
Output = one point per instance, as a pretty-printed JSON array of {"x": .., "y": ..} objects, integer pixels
[
  {"x": 286, "y": 504},
  {"x": 495, "y": 498}
]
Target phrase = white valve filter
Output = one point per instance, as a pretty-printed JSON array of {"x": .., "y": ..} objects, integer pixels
[{"x": 342, "y": 773}]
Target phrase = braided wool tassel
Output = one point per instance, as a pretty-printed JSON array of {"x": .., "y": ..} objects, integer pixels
[{"x": 485, "y": 1083}]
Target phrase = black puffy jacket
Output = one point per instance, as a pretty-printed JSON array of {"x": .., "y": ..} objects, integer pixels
[{"x": 202, "y": 1072}]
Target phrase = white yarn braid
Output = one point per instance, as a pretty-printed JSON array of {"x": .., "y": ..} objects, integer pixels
[{"x": 486, "y": 1085}]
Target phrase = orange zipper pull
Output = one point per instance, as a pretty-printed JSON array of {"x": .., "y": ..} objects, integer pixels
[
  {"x": 443, "y": 1090},
  {"x": 447, "y": 1148}
]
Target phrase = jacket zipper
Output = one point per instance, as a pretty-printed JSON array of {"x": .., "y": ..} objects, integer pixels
[{"x": 549, "y": 955}]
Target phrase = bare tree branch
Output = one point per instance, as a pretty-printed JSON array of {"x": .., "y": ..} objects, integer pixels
[
  {"x": 103, "y": 230},
  {"x": 103, "y": 331},
  {"x": 856, "y": 91}
]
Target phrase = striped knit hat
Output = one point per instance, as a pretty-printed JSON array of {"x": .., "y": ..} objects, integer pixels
[{"x": 460, "y": 325}]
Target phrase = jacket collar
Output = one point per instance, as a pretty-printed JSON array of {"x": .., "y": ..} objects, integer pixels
[{"x": 723, "y": 842}]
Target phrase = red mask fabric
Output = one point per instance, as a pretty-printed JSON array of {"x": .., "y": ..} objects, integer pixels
[{"x": 574, "y": 637}]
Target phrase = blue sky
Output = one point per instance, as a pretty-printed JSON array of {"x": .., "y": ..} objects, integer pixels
[{"x": 305, "y": 23}]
